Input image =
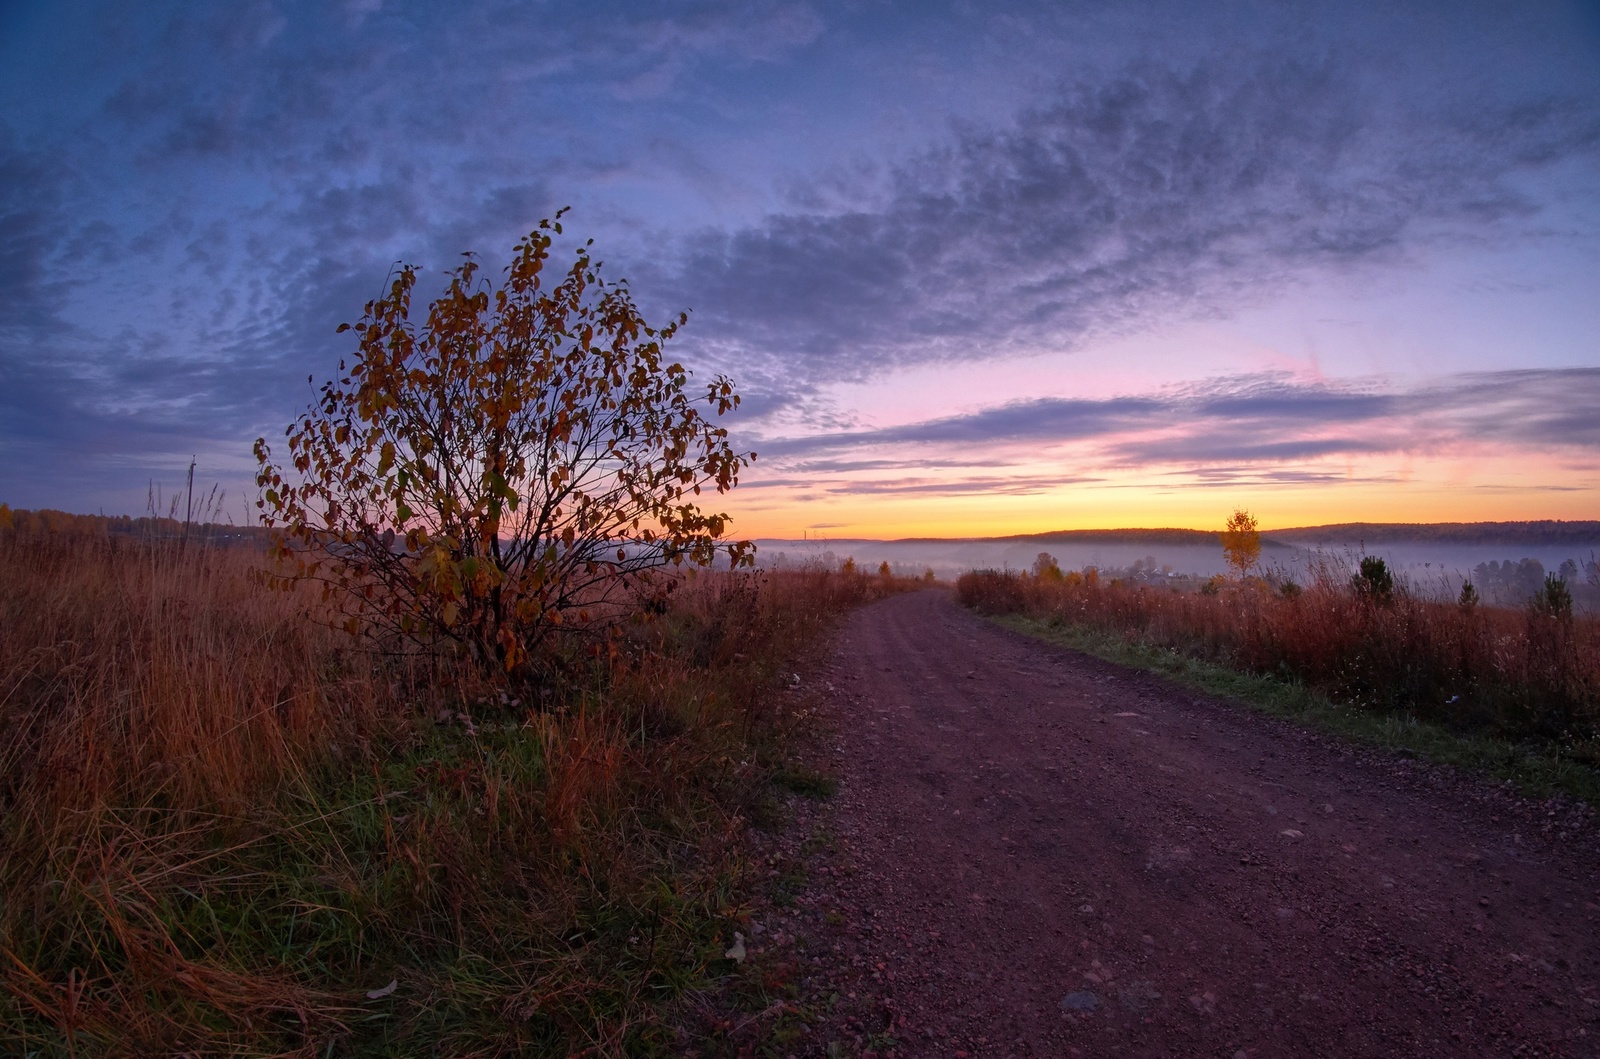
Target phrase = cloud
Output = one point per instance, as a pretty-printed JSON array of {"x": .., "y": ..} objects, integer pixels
[
  {"x": 1044, "y": 419},
  {"x": 1241, "y": 476},
  {"x": 32, "y": 228},
  {"x": 747, "y": 32},
  {"x": 323, "y": 84},
  {"x": 955, "y": 485},
  {"x": 1158, "y": 194},
  {"x": 853, "y": 466},
  {"x": 201, "y": 195},
  {"x": 1240, "y": 421},
  {"x": 1538, "y": 409}
]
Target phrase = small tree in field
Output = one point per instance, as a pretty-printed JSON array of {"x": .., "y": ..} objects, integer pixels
[
  {"x": 1373, "y": 581},
  {"x": 1045, "y": 567},
  {"x": 523, "y": 459},
  {"x": 1554, "y": 598},
  {"x": 1241, "y": 542}
]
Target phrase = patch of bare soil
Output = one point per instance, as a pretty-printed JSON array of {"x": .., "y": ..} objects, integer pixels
[{"x": 1034, "y": 853}]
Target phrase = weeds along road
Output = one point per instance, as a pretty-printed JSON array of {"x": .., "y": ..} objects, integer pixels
[{"x": 1052, "y": 855}]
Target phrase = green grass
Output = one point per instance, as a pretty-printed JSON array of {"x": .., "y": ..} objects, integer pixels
[
  {"x": 1537, "y": 770},
  {"x": 501, "y": 939},
  {"x": 555, "y": 879}
]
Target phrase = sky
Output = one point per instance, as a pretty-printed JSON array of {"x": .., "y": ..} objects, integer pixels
[{"x": 976, "y": 268}]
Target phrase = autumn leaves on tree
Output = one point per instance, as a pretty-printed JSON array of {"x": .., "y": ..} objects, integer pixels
[
  {"x": 1241, "y": 542},
  {"x": 524, "y": 459}
]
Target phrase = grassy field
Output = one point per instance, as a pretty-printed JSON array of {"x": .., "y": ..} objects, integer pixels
[
  {"x": 1506, "y": 693},
  {"x": 225, "y": 829}
]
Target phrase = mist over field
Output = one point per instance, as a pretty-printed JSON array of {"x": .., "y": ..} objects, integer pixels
[{"x": 1435, "y": 568}]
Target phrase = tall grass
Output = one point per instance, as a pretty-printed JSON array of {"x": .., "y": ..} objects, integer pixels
[
  {"x": 224, "y": 829},
  {"x": 1530, "y": 674}
]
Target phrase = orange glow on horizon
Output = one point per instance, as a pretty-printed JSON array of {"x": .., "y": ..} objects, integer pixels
[{"x": 1504, "y": 489}]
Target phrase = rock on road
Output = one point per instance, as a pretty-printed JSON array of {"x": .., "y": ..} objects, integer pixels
[{"x": 1044, "y": 854}]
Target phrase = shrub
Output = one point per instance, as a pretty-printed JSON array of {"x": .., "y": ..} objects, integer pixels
[
  {"x": 522, "y": 461},
  {"x": 990, "y": 592},
  {"x": 1046, "y": 568},
  {"x": 1469, "y": 596},
  {"x": 1528, "y": 674}
]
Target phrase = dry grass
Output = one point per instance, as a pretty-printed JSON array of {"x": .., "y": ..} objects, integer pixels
[
  {"x": 1515, "y": 674},
  {"x": 222, "y": 825}
]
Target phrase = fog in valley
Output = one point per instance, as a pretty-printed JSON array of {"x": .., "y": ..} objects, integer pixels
[{"x": 1504, "y": 572}]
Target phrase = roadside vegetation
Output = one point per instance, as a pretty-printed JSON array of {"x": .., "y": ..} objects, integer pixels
[
  {"x": 230, "y": 829},
  {"x": 1513, "y": 691},
  {"x": 459, "y": 764}
]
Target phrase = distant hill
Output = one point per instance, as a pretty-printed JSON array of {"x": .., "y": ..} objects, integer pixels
[
  {"x": 1144, "y": 538},
  {"x": 1187, "y": 537},
  {"x": 1547, "y": 533},
  {"x": 1206, "y": 538}
]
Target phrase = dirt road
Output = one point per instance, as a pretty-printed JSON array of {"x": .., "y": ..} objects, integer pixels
[{"x": 1039, "y": 853}]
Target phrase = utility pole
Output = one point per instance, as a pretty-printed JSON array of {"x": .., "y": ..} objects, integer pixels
[{"x": 188, "y": 514}]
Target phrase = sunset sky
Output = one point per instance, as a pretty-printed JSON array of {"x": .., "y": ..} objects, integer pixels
[{"x": 978, "y": 268}]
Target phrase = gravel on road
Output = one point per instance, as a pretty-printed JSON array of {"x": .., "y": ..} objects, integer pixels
[{"x": 1033, "y": 852}]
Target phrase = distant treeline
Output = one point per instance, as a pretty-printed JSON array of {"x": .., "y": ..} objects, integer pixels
[
  {"x": 1543, "y": 532},
  {"x": 1514, "y": 582},
  {"x": 1146, "y": 537},
  {"x": 49, "y": 521}
]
